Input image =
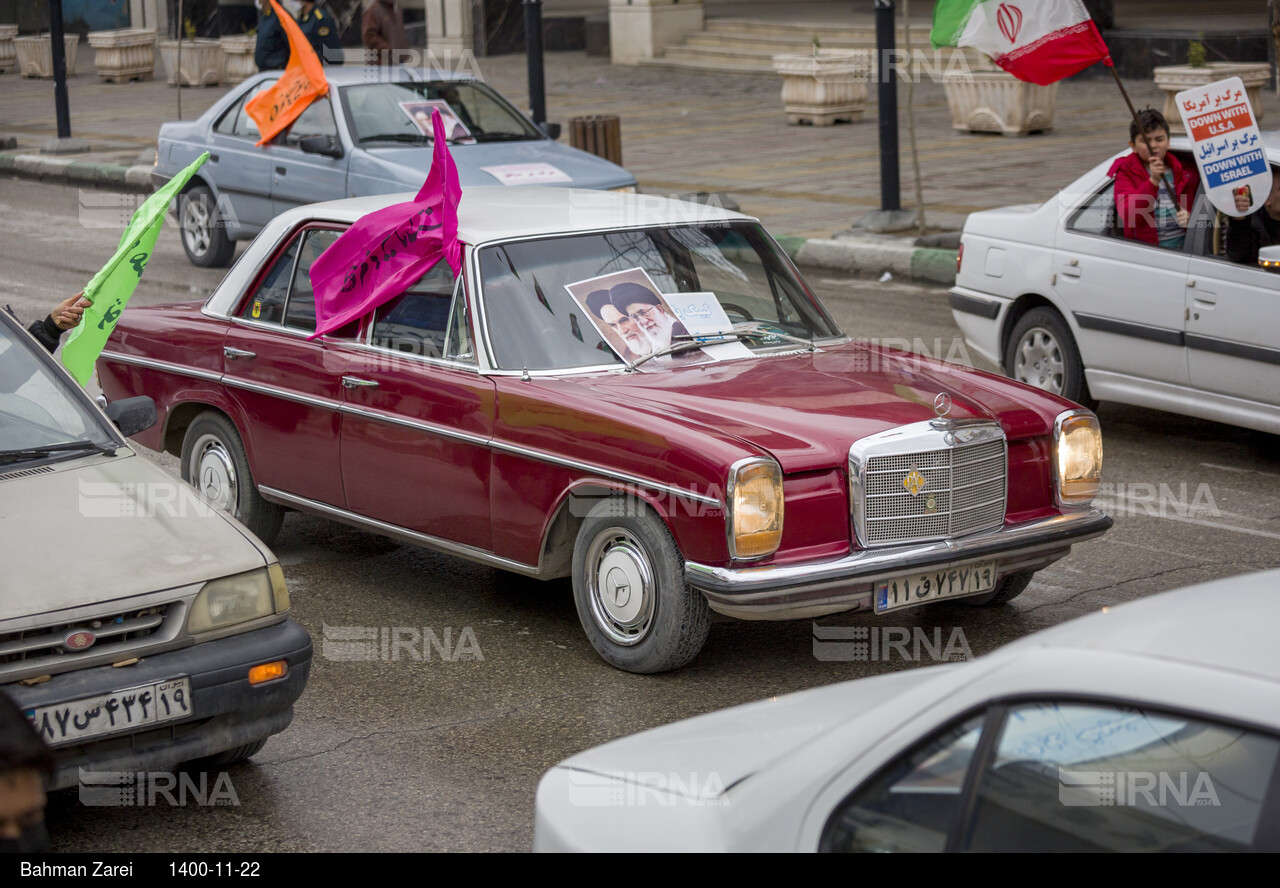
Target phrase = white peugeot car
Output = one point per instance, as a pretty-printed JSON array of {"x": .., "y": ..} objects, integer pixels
[
  {"x": 1058, "y": 297},
  {"x": 1152, "y": 726}
]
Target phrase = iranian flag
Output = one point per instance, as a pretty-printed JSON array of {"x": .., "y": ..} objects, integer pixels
[{"x": 1040, "y": 41}]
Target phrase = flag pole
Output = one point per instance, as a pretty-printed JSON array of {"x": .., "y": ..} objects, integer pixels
[{"x": 1128, "y": 101}]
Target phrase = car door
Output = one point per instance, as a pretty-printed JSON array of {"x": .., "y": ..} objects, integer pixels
[
  {"x": 300, "y": 178},
  {"x": 288, "y": 388},
  {"x": 1124, "y": 296},
  {"x": 1069, "y": 776},
  {"x": 240, "y": 169},
  {"x": 1232, "y": 323},
  {"x": 419, "y": 417}
]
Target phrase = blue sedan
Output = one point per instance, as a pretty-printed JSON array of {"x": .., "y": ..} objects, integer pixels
[{"x": 369, "y": 135}]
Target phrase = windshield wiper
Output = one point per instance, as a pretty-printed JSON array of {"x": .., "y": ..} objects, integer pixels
[
  {"x": 737, "y": 333},
  {"x": 394, "y": 137},
  {"x": 504, "y": 137},
  {"x": 7, "y": 456}
]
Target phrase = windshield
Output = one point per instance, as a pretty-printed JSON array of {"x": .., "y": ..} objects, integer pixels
[
  {"x": 401, "y": 112},
  {"x": 37, "y": 407},
  {"x": 648, "y": 298}
]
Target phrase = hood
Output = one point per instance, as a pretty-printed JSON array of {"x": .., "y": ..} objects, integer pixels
[
  {"x": 102, "y": 528},
  {"x": 807, "y": 409},
  {"x": 405, "y": 166},
  {"x": 735, "y": 743}
]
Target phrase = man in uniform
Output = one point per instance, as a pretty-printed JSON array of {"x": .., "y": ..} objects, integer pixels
[
  {"x": 322, "y": 31},
  {"x": 272, "y": 51}
]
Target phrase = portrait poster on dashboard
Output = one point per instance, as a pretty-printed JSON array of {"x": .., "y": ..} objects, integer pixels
[
  {"x": 420, "y": 113},
  {"x": 634, "y": 318}
]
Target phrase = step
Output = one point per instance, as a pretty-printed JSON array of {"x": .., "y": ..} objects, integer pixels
[{"x": 806, "y": 29}]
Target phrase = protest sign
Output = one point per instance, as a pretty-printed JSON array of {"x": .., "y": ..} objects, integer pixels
[{"x": 1226, "y": 144}]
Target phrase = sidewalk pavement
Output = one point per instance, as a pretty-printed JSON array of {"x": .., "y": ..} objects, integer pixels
[{"x": 683, "y": 133}]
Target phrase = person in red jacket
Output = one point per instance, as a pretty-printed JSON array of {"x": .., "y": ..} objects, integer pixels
[{"x": 1153, "y": 191}]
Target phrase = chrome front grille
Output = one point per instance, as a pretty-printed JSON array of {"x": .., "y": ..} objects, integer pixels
[{"x": 928, "y": 481}]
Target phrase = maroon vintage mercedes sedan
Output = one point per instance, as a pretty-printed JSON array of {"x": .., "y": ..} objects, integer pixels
[{"x": 638, "y": 393}]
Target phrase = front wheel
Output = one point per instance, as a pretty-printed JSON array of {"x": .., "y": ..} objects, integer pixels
[
  {"x": 1042, "y": 352},
  {"x": 1009, "y": 588},
  {"x": 215, "y": 464},
  {"x": 629, "y": 588},
  {"x": 204, "y": 232}
]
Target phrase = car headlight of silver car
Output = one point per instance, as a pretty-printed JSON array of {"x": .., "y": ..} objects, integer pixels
[
  {"x": 1077, "y": 457},
  {"x": 625, "y": 189},
  {"x": 754, "y": 496},
  {"x": 238, "y": 599}
]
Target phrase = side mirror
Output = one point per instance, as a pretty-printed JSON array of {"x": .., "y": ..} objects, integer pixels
[
  {"x": 550, "y": 130},
  {"x": 324, "y": 145},
  {"x": 132, "y": 415},
  {"x": 1269, "y": 258}
]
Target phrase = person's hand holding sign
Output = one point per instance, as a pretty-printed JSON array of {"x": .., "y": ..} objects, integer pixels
[{"x": 67, "y": 313}]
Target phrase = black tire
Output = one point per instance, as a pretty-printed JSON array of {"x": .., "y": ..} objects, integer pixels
[
  {"x": 1042, "y": 352},
  {"x": 228, "y": 758},
  {"x": 202, "y": 229},
  {"x": 622, "y": 545},
  {"x": 215, "y": 464},
  {"x": 1006, "y": 590}
]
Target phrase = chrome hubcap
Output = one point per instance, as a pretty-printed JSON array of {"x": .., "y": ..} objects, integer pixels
[
  {"x": 195, "y": 226},
  {"x": 213, "y": 473},
  {"x": 622, "y": 589},
  {"x": 1039, "y": 361}
]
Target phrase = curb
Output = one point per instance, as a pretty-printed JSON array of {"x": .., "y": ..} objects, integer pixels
[
  {"x": 59, "y": 169},
  {"x": 874, "y": 256},
  {"x": 866, "y": 256}
]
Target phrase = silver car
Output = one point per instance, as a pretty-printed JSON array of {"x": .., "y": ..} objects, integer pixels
[
  {"x": 1152, "y": 726},
  {"x": 368, "y": 136},
  {"x": 140, "y": 628}
]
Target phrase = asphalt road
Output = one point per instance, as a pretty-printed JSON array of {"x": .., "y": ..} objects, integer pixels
[{"x": 442, "y": 748}]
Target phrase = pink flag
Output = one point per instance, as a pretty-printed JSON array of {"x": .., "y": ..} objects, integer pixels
[{"x": 379, "y": 256}]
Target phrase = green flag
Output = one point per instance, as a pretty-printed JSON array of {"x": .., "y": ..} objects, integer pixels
[{"x": 111, "y": 287}]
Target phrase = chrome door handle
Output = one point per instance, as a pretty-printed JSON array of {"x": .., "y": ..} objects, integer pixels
[
  {"x": 352, "y": 382},
  {"x": 231, "y": 353}
]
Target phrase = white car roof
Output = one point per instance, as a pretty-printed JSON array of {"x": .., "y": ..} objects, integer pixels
[
  {"x": 484, "y": 214},
  {"x": 1224, "y": 625},
  {"x": 498, "y": 212}
]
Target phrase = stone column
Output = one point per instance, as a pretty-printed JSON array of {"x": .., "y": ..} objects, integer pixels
[
  {"x": 148, "y": 14},
  {"x": 449, "y": 29},
  {"x": 643, "y": 29}
]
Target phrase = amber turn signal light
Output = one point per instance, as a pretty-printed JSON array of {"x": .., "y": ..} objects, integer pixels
[{"x": 268, "y": 672}]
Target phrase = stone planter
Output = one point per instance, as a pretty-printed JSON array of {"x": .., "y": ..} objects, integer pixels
[
  {"x": 1173, "y": 79},
  {"x": 35, "y": 55},
  {"x": 203, "y": 62},
  {"x": 825, "y": 87},
  {"x": 8, "y": 55},
  {"x": 987, "y": 100},
  {"x": 123, "y": 55},
  {"x": 239, "y": 51}
]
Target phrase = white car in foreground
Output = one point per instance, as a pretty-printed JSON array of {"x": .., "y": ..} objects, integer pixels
[
  {"x": 1058, "y": 297},
  {"x": 1152, "y": 726}
]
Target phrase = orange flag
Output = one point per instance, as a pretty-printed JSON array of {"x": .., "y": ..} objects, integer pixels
[{"x": 301, "y": 83}]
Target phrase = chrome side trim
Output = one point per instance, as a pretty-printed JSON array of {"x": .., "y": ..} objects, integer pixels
[
  {"x": 416, "y": 425},
  {"x": 607, "y": 473},
  {"x": 471, "y": 553},
  {"x": 283, "y": 394},
  {"x": 839, "y": 580},
  {"x": 153, "y": 364}
]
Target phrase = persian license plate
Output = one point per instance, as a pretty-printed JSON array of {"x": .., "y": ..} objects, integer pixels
[
  {"x": 948, "y": 582},
  {"x": 114, "y": 713}
]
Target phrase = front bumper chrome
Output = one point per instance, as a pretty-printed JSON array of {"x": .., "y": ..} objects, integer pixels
[{"x": 802, "y": 591}]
